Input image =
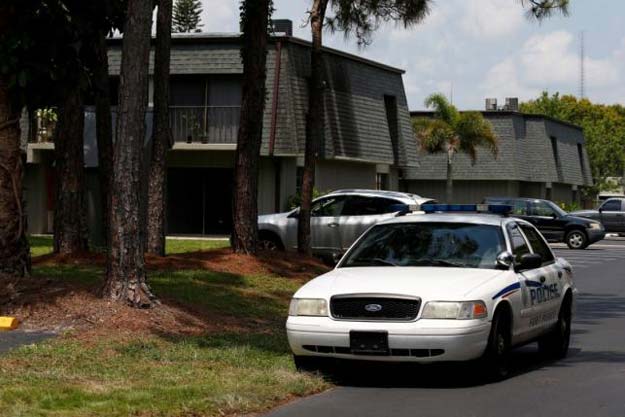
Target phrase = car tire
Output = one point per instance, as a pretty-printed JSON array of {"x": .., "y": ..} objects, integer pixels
[
  {"x": 556, "y": 343},
  {"x": 495, "y": 363},
  {"x": 306, "y": 363},
  {"x": 576, "y": 239},
  {"x": 270, "y": 243}
]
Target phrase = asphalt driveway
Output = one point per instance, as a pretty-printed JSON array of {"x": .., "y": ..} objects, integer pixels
[{"x": 16, "y": 338}]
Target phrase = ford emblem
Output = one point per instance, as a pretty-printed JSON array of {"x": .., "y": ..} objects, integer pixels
[{"x": 372, "y": 308}]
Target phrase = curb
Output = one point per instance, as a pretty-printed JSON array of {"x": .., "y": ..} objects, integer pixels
[{"x": 8, "y": 323}]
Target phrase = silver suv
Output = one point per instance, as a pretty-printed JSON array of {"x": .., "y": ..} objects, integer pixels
[{"x": 337, "y": 219}]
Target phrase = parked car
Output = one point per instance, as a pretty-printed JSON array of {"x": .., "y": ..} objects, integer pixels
[
  {"x": 554, "y": 223},
  {"x": 337, "y": 219},
  {"x": 437, "y": 287},
  {"x": 611, "y": 214}
]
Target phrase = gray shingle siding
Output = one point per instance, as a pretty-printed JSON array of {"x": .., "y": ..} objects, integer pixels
[
  {"x": 525, "y": 154},
  {"x": 356, "y": 124}
]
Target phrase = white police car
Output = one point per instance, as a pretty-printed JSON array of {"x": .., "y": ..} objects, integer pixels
[{"x": 437, "y": 287}]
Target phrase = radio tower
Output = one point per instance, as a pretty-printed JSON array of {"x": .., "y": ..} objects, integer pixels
[{"x": 582, "y": 58}]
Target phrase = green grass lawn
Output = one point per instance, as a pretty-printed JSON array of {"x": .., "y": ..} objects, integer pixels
[
  {"x": 220, "y": 373},
  {"x": 42, "y": 245}
]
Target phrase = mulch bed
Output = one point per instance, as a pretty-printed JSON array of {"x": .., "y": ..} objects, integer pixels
[{"x": 45, "y": 303}]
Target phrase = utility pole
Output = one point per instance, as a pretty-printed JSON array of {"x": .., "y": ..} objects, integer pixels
[{"x": 582, "y": 58}]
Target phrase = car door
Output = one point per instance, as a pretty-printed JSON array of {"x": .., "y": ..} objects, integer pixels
[
  {"x": 528, "y": 325},
  {"x": 548, "y": 294},
  {"x": 612, "y": 215},
  {"x": 324, "y": 224},
  {"x": 546, "y": 220},
  {"x": 362, "y": 212}
]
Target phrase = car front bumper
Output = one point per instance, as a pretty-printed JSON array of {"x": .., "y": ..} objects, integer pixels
[
  {"x": 595, "y": 235},
  {"x": 422, "y": 341}
]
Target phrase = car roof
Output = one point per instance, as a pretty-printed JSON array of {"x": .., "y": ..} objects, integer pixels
[
  {"x": 514, "y": 199},
  {"x": 472, "y": 218},
  {"x": 405, "y": 197}
]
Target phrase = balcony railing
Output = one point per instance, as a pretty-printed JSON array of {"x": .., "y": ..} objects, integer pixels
[
  {"x": 207, "y": 124},
  {"x": 201, "y": 124}
]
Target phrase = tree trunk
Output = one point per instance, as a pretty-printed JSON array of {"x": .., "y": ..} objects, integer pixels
[
  {"x": 125, "y": 275},
  {"x": 255, "y": 18},
  {"x": 161, "y": 140},
  {"x": 104, "y": 130},
  {"x": 70, "y": 218},
  {"x": 314, "y": 124},
  {"x": 14, "y": 248}
]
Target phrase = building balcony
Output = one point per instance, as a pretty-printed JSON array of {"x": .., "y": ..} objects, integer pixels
[
  {"x": 204, "y": 124},
  {"x": 195, "y": 125}
]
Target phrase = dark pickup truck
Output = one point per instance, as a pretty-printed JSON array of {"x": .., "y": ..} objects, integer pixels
[
  {"x": 555, "y": 224},
  {"x": 611, "y": 214}
]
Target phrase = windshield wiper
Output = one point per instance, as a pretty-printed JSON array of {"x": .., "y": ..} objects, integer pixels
[
  {"x": 438, "y": 262},
  {"x": 370, "y": 261}
]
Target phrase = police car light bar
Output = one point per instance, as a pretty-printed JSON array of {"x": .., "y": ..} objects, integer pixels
[{"x": 502, "y": 209}]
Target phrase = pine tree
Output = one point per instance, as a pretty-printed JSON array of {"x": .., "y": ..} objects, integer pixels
[{"x": 186, "y": 16}]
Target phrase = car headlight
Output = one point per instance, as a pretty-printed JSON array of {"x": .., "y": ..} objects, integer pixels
[
  {"x": 454, "y": 310},
  {"x": 308, "y": 307},
  {"x": 594, "y": 226}
]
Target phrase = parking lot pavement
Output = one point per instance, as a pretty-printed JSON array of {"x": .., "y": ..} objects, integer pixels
[
  {"x": 16, "y": 338},
  {"x": 589, "y": 382},
  {"x": 592, "y": 256}
]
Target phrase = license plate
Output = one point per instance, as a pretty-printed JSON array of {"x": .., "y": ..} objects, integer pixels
[{"x": 368, "y": 343}]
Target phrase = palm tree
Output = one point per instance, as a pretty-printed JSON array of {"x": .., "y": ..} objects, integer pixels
[{"x": 451, "y": 132}]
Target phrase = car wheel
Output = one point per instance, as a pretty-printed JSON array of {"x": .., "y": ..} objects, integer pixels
[
  {"x": 496, "y": 359},
  {"x": 269, "y": 243},
  {"x": 306, "y": 363},
  {"x": 576, "y": 239},
  {"x": 556, "y": 343}
]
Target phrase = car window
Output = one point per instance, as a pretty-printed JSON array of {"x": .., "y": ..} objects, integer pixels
[
  {"x": 541, "y": 208},
  {"x": 519, "y": 207},
  {"x": 460, "y": 245},
  {"x": 519, "y": 245},
  {"x": 611, "y": 205},
  {"x": 328, "y": 207},
  {"x": 368, "y": 206},
  {"x": 538, "y": 243}
]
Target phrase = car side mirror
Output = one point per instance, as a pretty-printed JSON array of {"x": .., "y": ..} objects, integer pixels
[
  {"x": 505, "y": 260},
  {"x": 600, "y": 210},
  {"x": 529, "y": 261}
]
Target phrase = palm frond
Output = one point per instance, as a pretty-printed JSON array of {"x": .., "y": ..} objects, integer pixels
[
  {"x": 433, "y": 135},
  {"x": 443, "y": 109},
  {"x": 475, "y": 131}
]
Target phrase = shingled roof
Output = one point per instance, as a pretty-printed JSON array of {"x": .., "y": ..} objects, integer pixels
[{"x": 525, "y": 153}]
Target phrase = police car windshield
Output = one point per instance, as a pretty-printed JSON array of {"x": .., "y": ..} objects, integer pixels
[{"x": 461, "y": 245}]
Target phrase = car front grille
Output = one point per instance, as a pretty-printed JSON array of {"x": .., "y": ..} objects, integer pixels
[{"x": 365, "y": 307}]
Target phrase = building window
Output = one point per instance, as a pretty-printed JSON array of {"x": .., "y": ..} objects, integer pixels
[
  {"x": 381, "y": 181},
  {"x": 556, "y": 157},
  {"x": 390, "y": 105},
  {"x": 580, "y": 153}
]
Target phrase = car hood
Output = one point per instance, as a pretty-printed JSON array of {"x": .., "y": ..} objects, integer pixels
[
  {"x": 273, "y": 218},
  {"x": 429, "y": 283},
  {"x": 583, "y": 213}
]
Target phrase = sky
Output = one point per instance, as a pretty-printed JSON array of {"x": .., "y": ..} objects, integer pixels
[{"x": 473, "y": 49}]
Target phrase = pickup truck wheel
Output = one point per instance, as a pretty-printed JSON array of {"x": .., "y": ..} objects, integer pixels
[
  {"x": 556, "y": 343},
  {"x": 496, "y": 360},
  {"x": 576, "y": 239}
]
